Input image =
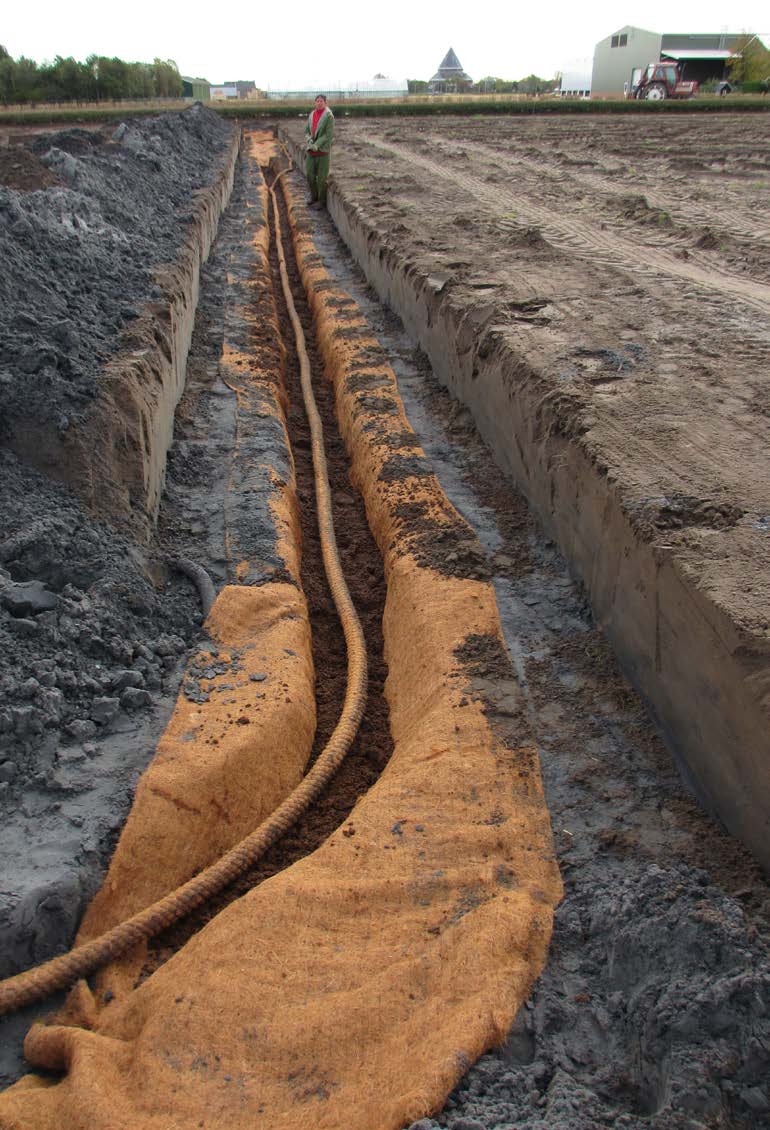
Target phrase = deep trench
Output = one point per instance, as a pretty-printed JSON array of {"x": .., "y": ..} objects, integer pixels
[
  {"x": 649, "y": 879},
  {"x": 363, "y": 567}
]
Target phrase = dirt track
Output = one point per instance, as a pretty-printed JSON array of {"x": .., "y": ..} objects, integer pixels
[{"x": 674, "y": 1032}]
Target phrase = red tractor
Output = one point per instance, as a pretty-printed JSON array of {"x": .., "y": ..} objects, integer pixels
[{"x": 660, "y": 80}]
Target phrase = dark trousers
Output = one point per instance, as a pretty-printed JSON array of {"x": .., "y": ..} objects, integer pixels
[{"x": 317, "y": 172}]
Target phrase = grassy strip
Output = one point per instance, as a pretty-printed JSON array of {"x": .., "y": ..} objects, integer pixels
[
  {"x": 39, "y": 117},
  {"x": 413, "y": 108},
  {"x": 507, "y": 107}
]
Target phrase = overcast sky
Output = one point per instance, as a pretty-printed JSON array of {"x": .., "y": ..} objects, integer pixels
[{"x": 313, "y": 44}]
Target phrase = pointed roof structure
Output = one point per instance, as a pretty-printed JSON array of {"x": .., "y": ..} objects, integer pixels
[{"x": 450, "y": 71}]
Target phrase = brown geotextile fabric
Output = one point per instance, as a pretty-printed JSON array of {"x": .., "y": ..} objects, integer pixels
[{"x": 356, "y": 987}]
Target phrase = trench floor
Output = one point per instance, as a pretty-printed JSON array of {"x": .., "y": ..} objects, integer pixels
[{"x": 364, "y": 573}]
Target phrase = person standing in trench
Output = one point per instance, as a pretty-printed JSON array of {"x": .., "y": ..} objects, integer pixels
[{"x": 319, "y": 134}]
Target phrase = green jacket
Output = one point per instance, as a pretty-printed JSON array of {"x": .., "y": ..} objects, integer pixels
[{"x": 322, "y": 142}]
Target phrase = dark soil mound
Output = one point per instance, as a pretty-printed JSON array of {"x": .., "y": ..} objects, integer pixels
[
  {"x": 92, "y": 627},
  {"x": 78, "y": 256}
]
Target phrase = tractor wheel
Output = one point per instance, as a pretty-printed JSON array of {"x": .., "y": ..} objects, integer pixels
[{"x": 656, "y": 93}]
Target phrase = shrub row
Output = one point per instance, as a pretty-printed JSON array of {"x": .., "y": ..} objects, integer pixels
[
  {"x": 508, "y": 108},
  {"x": 244, "y": 110},
  {"x": 103, "y": 114}
]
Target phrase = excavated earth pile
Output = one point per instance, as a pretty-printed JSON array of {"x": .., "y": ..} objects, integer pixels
[
  {"x": 83, "y": 235},
  {"x": 93, "y": 624}
]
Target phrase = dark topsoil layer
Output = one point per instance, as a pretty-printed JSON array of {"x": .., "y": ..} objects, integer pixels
[
  {"x": 92, "y": 628},
  {"x": 85, "y": 219},
  {"x": 81, "y": 610}
]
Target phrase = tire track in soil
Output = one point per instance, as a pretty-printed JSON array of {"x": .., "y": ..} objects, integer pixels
[
  {"x": 682, "y": 209},
  {"x": 603, "y": 248},
  {"x": 668, "y": 453},
  {"x": 363, "y": 568}
]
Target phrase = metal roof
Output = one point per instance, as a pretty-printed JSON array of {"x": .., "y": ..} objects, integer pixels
[
  {"x": 450, "y": 62},
  {"x": 692, "y": 53},
  {"x": 451, "y": 68}
]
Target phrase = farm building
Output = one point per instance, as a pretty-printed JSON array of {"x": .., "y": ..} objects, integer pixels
[
  {"x": 338, "y": 91},
  {"x": 576, "y": 79},
  {"x": 201, "y": 90},
  {"x": 703, "y": 57},
  {"x": 244, "y": 89},
  {"x": 223, "y": 93},
  {"x": 450, "y": 76},
  {"x": 198, "y": 89}
]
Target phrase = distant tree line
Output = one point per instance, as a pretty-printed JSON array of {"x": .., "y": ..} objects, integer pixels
[
  {"x": 532, "y": 84},
  {"x": 98, "y": 79}
]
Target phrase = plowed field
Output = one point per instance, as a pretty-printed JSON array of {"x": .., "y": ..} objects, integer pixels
[{"x": 633, "y": 258}]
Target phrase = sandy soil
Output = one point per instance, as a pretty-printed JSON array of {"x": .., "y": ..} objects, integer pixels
[
  {"x": 613, "y": 248},
  {"x": 619, "y": 272},
  {"x": 664, "y": 914}
]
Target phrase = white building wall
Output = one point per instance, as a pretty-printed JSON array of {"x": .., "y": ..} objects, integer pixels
[
  {"x": 576, "y": 79},
  {"x": 337, "y": 90},
  {"x": 616, "y": 57}
]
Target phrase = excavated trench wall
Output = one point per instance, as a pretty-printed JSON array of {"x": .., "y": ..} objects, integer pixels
[
  {"x": 694, "y": 666},
  {"x": 116, "y": 459}
]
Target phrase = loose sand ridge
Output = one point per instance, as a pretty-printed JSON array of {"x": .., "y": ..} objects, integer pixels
[{"x": 598, "y": 292}]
